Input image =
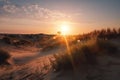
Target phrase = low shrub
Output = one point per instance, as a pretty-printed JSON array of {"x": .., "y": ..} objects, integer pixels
[
  {"x": 23, "y": 42},
  {"x": 7, "y": 40},
  {"x": 4, "y": 56}
]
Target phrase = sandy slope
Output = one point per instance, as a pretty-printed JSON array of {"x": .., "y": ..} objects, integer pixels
[
  {"x": 35, "y": 70},
  {"x": 108, "y": 68},
  {"x": 37, "y": 67},
  {"x": 27, "y": 64}
]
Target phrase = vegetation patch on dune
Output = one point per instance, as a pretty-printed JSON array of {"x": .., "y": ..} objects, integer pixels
[{"x": 83, "y": 54}]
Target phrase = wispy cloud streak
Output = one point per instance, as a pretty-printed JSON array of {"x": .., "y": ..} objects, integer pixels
[{"x": 32, "y": 12}]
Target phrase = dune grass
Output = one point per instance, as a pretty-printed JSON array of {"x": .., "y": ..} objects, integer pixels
[{"x": 86, "y": 53}]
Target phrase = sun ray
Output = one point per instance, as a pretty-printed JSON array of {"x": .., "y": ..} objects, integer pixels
[{"x": 69, "y": 53}]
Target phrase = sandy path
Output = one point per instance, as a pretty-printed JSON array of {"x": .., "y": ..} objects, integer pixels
[{"x": 23, "y": 57}]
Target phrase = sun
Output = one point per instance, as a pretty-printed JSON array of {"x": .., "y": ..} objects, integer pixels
[{"x": 65, "y": 29}]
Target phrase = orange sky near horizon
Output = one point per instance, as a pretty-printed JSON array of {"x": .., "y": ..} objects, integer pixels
[{"x": 38, "y": 16}]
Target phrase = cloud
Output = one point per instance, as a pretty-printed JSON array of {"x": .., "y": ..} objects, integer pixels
[
  {"x": 10, "y": 8},
  {"x": 5, "y": 1},
  {"x": 32, "y": 12}
]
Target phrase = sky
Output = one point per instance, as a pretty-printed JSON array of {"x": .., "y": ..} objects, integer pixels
[{"x": 46, "y": 16}]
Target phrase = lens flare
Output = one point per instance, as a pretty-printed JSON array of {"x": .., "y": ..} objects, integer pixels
[{"x": 69, "y": 53}]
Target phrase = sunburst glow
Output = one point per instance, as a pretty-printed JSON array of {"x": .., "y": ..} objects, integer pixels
[{"x": 65, "y": 29}]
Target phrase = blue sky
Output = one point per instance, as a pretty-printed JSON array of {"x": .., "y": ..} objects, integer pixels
[{"x": 45, "y": 16}]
